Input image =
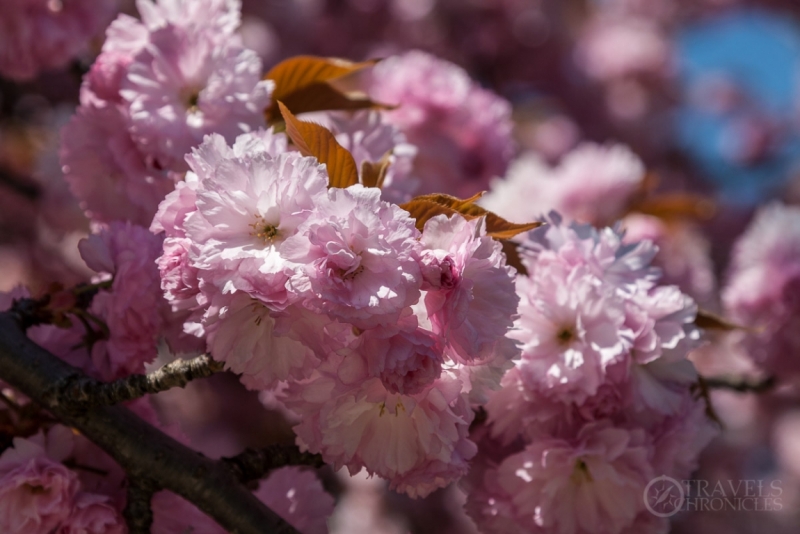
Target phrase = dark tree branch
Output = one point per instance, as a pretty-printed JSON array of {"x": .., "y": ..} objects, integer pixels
[
  {"x": 138, "y": 514},
  {"x": 84, "y": 391},
  {"x": 144, "y": 452},
  {"x": 742, "y": 385},
  {"x": 36, "y": 311},
  {"x": 18, "y": 184},
  {"x": 253, "y": 464}
]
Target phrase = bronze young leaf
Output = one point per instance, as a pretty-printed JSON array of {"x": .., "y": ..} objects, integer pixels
[
  {"x": 304, "y": 83},
  {"x": 317, "y": 141}
]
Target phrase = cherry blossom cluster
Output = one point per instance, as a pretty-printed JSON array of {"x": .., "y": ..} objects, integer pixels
[
  {"x": 462, "y": 132},
  {"x": 120, "y": 331},
  {"x": 337, "y": 292},
  {"x": 762, "y": 289},
  {"x": 533, "y": 188},
  {"x": 37, "y": 35},
  {"x": 409, "y": 344},
  {"x": 158, "y": 86},
  {"x": 600, "y": 184},
  {"x": 600, "y": 402},
  {"x": 39, "y": 494},
  {"x": 58, "y": 481}
]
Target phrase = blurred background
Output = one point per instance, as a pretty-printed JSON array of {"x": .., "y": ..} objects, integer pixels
[{"x": 705, "y": 92}]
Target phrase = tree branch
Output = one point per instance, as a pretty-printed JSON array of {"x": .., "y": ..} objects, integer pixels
[
  {"x": 253, "y": 464},
  {"x": 143, "y": 451},
  {"x": 84, "y": 391},
  {"x": 138, "y": 514},
  {"x": 18, "y": 184},
  {"x": 742, "y": 385}
]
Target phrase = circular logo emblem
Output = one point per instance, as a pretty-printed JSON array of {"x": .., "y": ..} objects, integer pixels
[{"x": 664, "y": 496}]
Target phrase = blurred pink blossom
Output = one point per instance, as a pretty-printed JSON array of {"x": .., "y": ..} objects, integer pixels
[
  {"x": 36, "y": 492},
  {"x": 462, "y": 132},
  {"x": 37, "y": 35}
]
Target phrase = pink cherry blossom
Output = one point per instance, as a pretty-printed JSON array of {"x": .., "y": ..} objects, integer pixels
[
  {"x": 684, "y": 254},
  {"x": 174, "y": 515},
  {"x": 186, "y": 84},
  {"x": 623, "y": 46},
  {"x": 369, "y": 137},
  {"x": 36, "y": 493},
  {"x": 134, "y": 309},
  {"x": 37, "y": 35},
  {"x": 668, "y": 330},
  {"x": 763, "y": 280},
  {"x": 179, "y": 279},
  {"x": 247, "y": 209},
  {"x": 66, "y": 343},
  {"x": 139, "y": 117},
  {"x": 598, "y": 336},
  {"x": 126, "y": 37},
  {"x": 299, "y": 498},
  {"x": 421, "y": 83},
  {"x": 473, "y": 303},
  {"x": 105, "y": 169},
  {"x": 597, "y": 182},
  {"x": 358, "y": 258},
  {"x": 528, "y": 191},
  {"x": 263, "y": 348},
  {"x": 418, "y": 442},
  {"x": 592, "y": 183},
  {"x": 92, "y": 514},
  {"x": 679, "y": 439},
  {"x": 663, "y": 325},
  {"x": 591, "y": 483},
  {"x": 572, "y": 331},
  {"x": 602, "y": 251},
  {"x": 406, "y": 360},
  {"x": 220, "y": 18},
  {"x": 462, "y": 132}
]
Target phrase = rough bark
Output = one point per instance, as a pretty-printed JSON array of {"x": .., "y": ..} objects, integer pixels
[
  {"x": 144, "y": 452},
  {"x": 85, "y": 391}
]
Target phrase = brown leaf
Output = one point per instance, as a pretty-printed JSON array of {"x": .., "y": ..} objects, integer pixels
[
  {"x": 424, "y": 207},
  {"x": 317, "y": 141},
  {"x": 302, "y": 83},
  {"x": 499, "y": 228},
  {"x": 511, "y": 250},
  {"x": 323, "y": 97},
  {"x": 671, "y": 206},
  {"x": 712, "y": 321},
  {"x": 373, "y": 174}
]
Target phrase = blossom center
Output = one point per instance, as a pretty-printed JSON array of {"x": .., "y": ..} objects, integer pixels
[
  {"x": 263, "y": 230},
  {"x": 449, "y": 278},
  {"x": 351, "y": 273},
  {"x": 565, "y": 335},
  {"x": 581, "y": 472},
  {"x": 397, "y": 409},
  {"x": 191, "y": 98},
  {"x": 36, "y": 489}
]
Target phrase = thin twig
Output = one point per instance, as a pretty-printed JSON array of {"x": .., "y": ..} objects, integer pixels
[
  {"x": 742, "y": 385},
  {"x": 143, "y": 451},
  {"x": 83, "y": 391},
  {"x": 13, "y": 406},
  {"x": 19, "y": 184},
  {"x": 254, "y": 464}
]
